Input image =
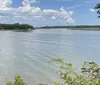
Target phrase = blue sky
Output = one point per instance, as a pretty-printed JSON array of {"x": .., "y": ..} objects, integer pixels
[{"x": 49, "y": 12}]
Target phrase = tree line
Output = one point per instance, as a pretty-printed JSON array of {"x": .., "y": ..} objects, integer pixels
[
  {"x": 77, "y": 26},
  {"x": 15, "y": 26}
]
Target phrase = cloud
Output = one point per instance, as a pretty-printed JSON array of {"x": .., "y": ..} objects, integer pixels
[
  {"x": 28, "y": 2},
  {"x": 89, "y": 2},
  {"x": 64, "y": 0},
  {"x": 5, "y": 3},
  {"x": 92, "y": 10},
  {"x": 32, "y": 14},
  {"x": 69, "y": 20},
  {"x": 75, "y": 6},
  {"x": 53, "y": 17}
]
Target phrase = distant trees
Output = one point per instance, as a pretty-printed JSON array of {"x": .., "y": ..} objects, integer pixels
[
  {"x": 15, "y": 26},
  {"x": 74, "y": 26},
  {"x": 98, "y": 8}
]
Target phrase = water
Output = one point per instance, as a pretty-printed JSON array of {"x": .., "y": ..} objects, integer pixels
[{"x": 28, "y": 53}]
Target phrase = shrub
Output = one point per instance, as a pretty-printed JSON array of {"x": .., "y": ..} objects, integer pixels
[
  {"x": 18, "y": 81},
  {"x": 89, "y": 74}
]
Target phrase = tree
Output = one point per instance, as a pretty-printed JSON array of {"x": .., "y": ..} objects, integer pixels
[
  {"x": 98, "y": 9},
  {"x": 89, "y": 73},
  {"x": 16, "y": 26}
]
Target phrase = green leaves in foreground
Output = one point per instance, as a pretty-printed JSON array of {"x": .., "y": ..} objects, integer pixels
[
  {"x": 89, "y": 74},
  {"x": 18, "y": 81}
]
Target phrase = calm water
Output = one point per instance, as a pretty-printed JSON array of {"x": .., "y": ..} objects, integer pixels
[{"x": 28, "y": 53}]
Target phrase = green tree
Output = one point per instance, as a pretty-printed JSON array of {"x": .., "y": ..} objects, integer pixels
[
  {"x": 98, "y": 9},
  {"x": 16, "y": 26},
  {"x": 89, "y": 73}
]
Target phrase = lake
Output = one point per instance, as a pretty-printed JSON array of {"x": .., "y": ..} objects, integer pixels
[{"x": 28, "y": 53}]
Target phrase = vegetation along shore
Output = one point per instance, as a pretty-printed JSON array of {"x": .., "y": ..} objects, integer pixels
[
  {"x": 16, "y": 27},
  {"x": 77, "y": 27},
  {"x": 88, "y": 75}
]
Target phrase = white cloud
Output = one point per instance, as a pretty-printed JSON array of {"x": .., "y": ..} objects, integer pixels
[
  {"x": 5, "y": 3},
  {"x": 32, "y": 14},
  {"x": 75, "y": 6},
  {"x": 92, "y": 10},
  {"x": 71, "y": 12},
  {"x": 53, "y": 17},
  {"x": 28, "y": 2},
  {"x": 89, "y": 2},
  {"x": 64, "y": 0},
  {"x": 69, "y": 20}
]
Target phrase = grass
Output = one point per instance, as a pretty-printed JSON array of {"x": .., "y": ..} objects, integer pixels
[{"x": 95, "y": 29}]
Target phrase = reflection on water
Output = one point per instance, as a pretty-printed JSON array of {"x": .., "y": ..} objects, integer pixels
[{"x": 28, "y": 53}]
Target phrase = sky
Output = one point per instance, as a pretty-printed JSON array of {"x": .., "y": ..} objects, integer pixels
[{"x": 49, "y": 12}]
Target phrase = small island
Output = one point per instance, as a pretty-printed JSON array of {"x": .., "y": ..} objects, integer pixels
[{"x": 16, "y": 27}]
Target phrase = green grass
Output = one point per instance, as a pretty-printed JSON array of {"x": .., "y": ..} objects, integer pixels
[{"x": 95, "y": 29}]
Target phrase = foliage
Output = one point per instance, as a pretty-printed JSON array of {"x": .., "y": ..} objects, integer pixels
[
  {"x": 89, "y": 74},
  {"x": 98, "y": 8},
  {"x": 15, "y": 26},
  {"x": 72, "y": 26},
  {"x": 18, "y": 81}
]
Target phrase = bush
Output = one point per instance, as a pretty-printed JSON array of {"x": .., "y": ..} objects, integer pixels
[
  {"x": 89, "y": 74},
  {"x": 18, "y": 81}
]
